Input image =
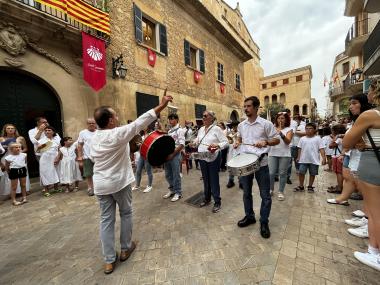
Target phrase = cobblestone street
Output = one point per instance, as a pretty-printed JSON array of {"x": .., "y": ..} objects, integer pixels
[{"x": 55, "y": 240}]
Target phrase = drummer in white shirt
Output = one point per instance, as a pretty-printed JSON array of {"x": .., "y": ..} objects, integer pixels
[
  {"x": 255, "y": 136},
  {"x": 211, "y": 140}
]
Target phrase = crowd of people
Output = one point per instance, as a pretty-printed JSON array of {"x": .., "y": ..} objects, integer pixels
[{"x": 349, "y": 148}]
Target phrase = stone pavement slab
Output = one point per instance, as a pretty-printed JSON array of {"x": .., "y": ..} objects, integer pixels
[{"x": 55, "y": 240}]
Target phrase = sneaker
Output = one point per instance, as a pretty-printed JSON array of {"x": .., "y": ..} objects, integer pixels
[
  {"x": 176, "y": 197},
  {"x": 368, "y": 259},
  {"x": 168, "y": 195},
  {"x": 230, "y": 184},
  {"x": 181, "y": 175},
  {"x": 147, "y": 189},
  {"x": 134, "y": 188},
  {"x": 356, "y": 196},
  {"x": 216, "y": 207},
  {"x": 288, "y": 181},
  {"x": 280, "y": 197},
  {"x": 90, "y": 192},
  {"x": 271, "y": 192},
  {"x": 334, "y": 201},
  {"x": 358, "y": 213},
  {"x": 361, "y": 232},
  {"x": 356, "y": 222}
]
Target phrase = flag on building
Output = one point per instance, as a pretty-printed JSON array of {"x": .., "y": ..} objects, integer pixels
[
  {"x": 336, "y": 76},
  {"x": 94, "y": 61},
  {"x": 325, "y": 81},
  {"x": 222, "y": 88},
  {"x": 82, "y": 12},
  {"x": 353, "y": 68},
  {"x": 197, "y": 76},
  {"x": 152, "y": 57}
]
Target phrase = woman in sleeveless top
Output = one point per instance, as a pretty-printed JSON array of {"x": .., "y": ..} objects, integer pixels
[
  {"x": 369, "y": 178},
  {"x": 10, "y": 134}
]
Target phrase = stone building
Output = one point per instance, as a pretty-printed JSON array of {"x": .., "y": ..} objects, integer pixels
[
  {"x": 291, "y": 88},
  {"x": 41, "y": 62},
  {"x": 355, "y": 67}
]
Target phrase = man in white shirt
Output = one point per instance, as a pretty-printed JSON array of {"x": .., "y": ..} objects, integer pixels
[
  {"x": 38, "y": 133},
  {"x": 84, "y": 142},
  {"x": 299, "y": 132},
  {"x": 255, "y": 135},
  {"x": 173, "y": 161},
  {"x": 113, "y": 176}
]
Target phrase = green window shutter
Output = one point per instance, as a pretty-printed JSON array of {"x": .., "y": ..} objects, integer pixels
[
  {"x": 138, "y": 24},
  {"x": 187, "y": 52},
  {"x": 163, "y": 40},
  {"x": 202, "y": 60}
]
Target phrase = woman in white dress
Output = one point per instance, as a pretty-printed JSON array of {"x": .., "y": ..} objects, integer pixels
[
  {"x": 48, "y": 161},
  {"x": 69, "y": 172},
  {"x": 10, "y": 134}
]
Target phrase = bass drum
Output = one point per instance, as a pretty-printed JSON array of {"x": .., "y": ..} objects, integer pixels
[{"x": 156, "y": 147}]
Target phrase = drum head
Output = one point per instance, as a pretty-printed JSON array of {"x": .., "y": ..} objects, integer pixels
[
  {"x": 160, "y": 149},
  {"x": 242, "y": 159}
]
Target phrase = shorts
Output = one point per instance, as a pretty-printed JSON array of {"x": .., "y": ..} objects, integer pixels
[
  {"x": 88, "y": 168},
  {"x": 337, "y": 165},
  {"x": 16, "y": 173},
  {"x": 368, "y": 170},
  {"x": 346, "y": 161},
  {"x": 313, "y": 169}
]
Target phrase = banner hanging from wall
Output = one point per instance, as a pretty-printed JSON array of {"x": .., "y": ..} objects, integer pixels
[
  {"x": 222, "y": 88},
  {"x": 152, "y": 57},
  {"x": 197, "y": 76},
  {"x": 94, "y": 61},
  {"x": 82, "y": 12}
]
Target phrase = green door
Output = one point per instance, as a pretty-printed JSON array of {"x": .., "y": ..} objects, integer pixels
[{"x": 23, "y": 97}]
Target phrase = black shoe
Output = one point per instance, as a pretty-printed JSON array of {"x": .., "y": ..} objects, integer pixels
[
  {"x": 276, "y": 178},
  {"x": 204, "y": 203},
  {"x": 246, "y": 221},
  {"x": 230, "y": 184},
  {"x": 288, "y": 181},
  {"x": 356, "y": 196},
  {"x": 264, "y": 230},
  {"x": 216, "y": 207}
]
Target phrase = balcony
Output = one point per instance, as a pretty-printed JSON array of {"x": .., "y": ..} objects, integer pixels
[
  {"x": 356, "y": 37},
  {"x": 353, "y": 7},
  {"x": 353, "y": 84},
  {"x": 335, "y": 92},
  {"x": 372, "y": 6},
  {"x": 32, "y": 16},
  {"x": 371, "y": 52}
]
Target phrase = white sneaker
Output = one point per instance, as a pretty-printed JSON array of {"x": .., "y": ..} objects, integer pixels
[
  {"x": 361, "y": 232},
  {"x": 168, "y": 195},
  {"x": 180, "y": 174},
  {"x": 134, "y": 188},
  {"x": 147, "y": 189},
  {"x": 176, "y": 197},
  {"x": 368, "y": 259},
  {"x": 356, "y": 222},
  {"x": 271, "y": 192},
  {"x": 280, "y": 197},
  {"x": 358, "y": 213}
]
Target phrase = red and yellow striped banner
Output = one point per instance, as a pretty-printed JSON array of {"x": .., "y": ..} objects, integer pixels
[{"x": 83, "y": 13}]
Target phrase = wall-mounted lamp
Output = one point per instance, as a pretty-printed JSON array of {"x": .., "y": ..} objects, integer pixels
[{"x": 118, "y": 68}]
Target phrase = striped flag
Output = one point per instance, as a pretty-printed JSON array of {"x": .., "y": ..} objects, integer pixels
[{"x": 82, "y": 12}]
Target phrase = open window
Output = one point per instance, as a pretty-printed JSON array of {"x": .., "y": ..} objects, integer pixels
[{"x": 194, "y": 57}]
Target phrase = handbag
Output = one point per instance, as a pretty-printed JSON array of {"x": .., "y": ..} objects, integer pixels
[{"x": 375, "y": 149}]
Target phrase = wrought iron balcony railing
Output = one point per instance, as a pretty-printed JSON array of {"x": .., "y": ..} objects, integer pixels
[
  {"x": 359, "y": 28},
  {"x": 63, "y": 17},
  {"x": 336, "y": 91}
]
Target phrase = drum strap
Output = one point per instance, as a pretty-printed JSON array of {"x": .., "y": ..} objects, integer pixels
[
  {"x": 206, "y": 134},
  {"x": 262, "y": 156}
]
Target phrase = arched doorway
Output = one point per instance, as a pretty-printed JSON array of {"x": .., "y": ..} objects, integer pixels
[
  {"x": 24, "y": 97},
  {"x": 234, "y": 117}
]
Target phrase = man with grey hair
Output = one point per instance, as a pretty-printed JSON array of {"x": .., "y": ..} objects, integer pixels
[{"x": 84, "y": 143}]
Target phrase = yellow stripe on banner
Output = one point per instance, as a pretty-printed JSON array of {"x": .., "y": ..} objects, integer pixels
[
  {"x": 88, "y": 11},
  {"x": 56, "y": 4}
]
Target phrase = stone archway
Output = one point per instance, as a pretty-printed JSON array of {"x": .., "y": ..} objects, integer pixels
[
  {"x": 25, "y": 96},
  {"x": 234, "y": 116}
]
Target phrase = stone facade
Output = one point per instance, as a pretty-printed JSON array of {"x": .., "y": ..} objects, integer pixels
[{"x": 291, "y": 88}]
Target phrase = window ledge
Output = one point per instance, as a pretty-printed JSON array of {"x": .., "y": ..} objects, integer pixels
[
  {"x": 153, "y": 49},
  {"x": 192, "y": 68},
  {"x": 221, "y": 82},
  {"x": 238, "y": 90}
]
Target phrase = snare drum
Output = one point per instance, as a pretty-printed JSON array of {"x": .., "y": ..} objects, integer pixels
[
  {"x": 208, "y": 156},
  {"x": 243, "y": 164}
]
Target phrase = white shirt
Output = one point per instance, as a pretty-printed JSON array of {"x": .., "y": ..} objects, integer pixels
[
  {"x": 178, "y": 135},
  {"x": 336, "y": 151},
  {"x": 188, "y": 133},
  {"x": 251, "y": 133},
  {"x": 296, "y": 138},
  {"x": 32, "y": 136},
  {"x": 2, "y": 150},
  {"x": 310, "y": 148},
  {"x": 282, "y": 149},
  {"x": 293, "y": 126},
  {"x": 110, "y": 152},
  {"x": 326, "y": 142},
  {"x": 16, "y": 161},
  {"x": 85, "y": 137},
  {"x": 214, "y": 135}
]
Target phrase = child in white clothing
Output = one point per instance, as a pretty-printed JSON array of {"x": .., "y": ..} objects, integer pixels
[
  {"x": 309, "y": 149},
  {"x": 69, "y": 172},
  {"x": 15, "y": 164}
]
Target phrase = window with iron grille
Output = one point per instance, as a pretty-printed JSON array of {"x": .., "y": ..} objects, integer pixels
[
  {"x": 220, "y": 72},
  {"x": 237, "y": 79}
]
